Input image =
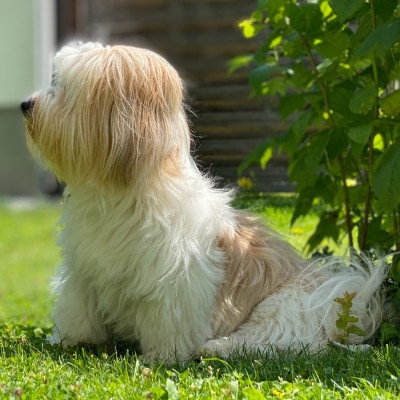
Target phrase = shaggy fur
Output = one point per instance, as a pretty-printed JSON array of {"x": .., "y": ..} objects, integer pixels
[{"x": 153, "y": 251}]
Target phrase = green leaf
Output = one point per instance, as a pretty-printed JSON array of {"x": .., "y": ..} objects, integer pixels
[
  {"x": 379, "y": 142},
  {"x": 288, "y": 105},
  {"x": 293, "y": 47},
  {"x": 259, "y": 75},
  {"x": 275, "y": 12},
  {"x": 333, "y": 44},
  {"x": 262, "y": 153},
  {"x": 355, "y": 330},
  {"x": 352, "y": 319},
  {"x": 326, "y": 228},
  {"x": 326, "y": 188},
  {"x": 390, "y": 104},
  {"x": 316, "y": 150},
  {"x": 299, "y": 171},
  {"x": 357, "y": 194},
  {"x": 267, "y": 155},
  {"x": 364, "y": 28},
  {"x": 239, "y": 62},
  {"x": 302, "y": 122},
  {"x": 252, "y": 393},
  {"x": 301, "y": 76},
  {"x": 385, "y": 9},
  {"x": 303, "y": 203},
  {"x": 360, "y": 134},
  {"x": 262, "y": 4},
  {"x": 325, "y": 9},
  {"x": 337, "y": 144},
  {"x": 362, "y": 101},
  {"x": 341, "y": 323},
  {"x": 159, "y": 393},
  {"x": 345, "y": 9},
  {"x": 386, "y": 180},
  {"x": 250, "y": 28},
  {"x": 305, "y": 18},
  {"x": 306, "y": 162},
  {"x": 381, "y": 40},
  {"x": 278, "y": 84},
  {"x": 336, "y": 94},
  {"x": 257, "y": 16},
  {"x": 288, "y": 141},
  {"x": 375, "y": 234}
]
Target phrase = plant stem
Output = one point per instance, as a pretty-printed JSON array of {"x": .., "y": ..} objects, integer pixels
[
  {"x": 316, "y": 73},
  {"x": 332, "y": 124},
  {"x": 346, "y": 204},
  {"x": 368, "y": 194},
  {"x": 364, "y": 233},
  {"x": 373, "y": 15}
]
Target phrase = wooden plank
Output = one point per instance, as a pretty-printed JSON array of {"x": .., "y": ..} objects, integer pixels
[
  {"x": 212, "y": 130},
  {"x": 222, "y": 92},
  {"x": 227, "y": 134},
  {"x": 218, "y": 146},
  {"x": 226, "y": 105},
  {"x": 190, "y": 12},
  {"x": 238, "y": 119}
]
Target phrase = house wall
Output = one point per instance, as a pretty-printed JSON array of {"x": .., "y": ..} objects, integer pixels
[{"x": 25, "y": 49}]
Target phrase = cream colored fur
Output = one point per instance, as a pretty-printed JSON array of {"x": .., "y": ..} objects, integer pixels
[{"x": 153, "y": 251}]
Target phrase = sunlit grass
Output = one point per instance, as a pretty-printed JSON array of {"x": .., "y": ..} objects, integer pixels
[
  {"x": 28, "y": 259},
  {"x": 276, "y": 211}
]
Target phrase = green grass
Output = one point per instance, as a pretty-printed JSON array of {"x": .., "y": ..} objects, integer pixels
[
  {"x": 276, "y": 211},
  {"x": 28, "y": 260},
  {"x": 30, "y": 368}
]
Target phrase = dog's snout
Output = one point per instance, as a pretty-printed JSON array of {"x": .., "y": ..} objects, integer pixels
[{"x": 26, "y": 105}]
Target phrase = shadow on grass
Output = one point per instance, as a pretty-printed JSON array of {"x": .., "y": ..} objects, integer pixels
[{"x": 332, "y": 366}]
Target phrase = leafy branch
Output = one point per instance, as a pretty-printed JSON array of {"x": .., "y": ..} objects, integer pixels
[
  {"x": 334, "y": 65},
  {"x": 346, "y": 322}
]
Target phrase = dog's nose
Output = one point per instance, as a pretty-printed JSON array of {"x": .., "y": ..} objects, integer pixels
[{"x": 26, "y": 105}]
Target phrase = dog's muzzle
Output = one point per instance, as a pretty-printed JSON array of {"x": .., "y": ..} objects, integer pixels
[{"x": 26, "y": 106}]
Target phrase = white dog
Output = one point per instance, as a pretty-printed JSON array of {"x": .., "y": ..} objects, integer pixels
[{"x": 153, "y": 252}]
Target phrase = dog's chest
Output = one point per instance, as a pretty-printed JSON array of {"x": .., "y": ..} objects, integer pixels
[{"x": 136, "y": 255}]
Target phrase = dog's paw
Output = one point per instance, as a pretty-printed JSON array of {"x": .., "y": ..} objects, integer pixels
[
  {"x": 54, "y": 338},
  {"x": 220, "y": 347}
]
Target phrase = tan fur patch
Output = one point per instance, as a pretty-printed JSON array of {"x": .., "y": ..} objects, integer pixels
[{"x": 257, "y": 262}]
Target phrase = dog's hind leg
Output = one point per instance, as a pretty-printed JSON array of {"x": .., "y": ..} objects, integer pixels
[{"x": 279, "y": 320}]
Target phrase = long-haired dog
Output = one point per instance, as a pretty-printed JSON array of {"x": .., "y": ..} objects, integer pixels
[{"x": 154, "y": 253}]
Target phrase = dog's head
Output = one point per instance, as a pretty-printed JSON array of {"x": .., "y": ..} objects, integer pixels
[{"x": 112, "y": 116}]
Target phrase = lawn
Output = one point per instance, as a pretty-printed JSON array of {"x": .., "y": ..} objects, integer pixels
[{"x": 32, "y": 369}]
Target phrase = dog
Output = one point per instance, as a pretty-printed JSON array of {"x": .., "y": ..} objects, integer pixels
[{"x": 153, "y": 251}]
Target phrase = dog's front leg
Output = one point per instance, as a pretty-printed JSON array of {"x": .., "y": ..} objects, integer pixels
[
  {"x": 76, "y": 319},
  {"x": 172, "y": 328}
]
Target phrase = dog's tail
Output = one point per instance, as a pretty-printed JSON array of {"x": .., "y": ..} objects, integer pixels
[{"x": 340, "y": 286}]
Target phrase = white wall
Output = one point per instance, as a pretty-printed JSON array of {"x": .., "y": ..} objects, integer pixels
[
  {"x": 26, "y": 48},
  {"x": 26, "y": 44}
]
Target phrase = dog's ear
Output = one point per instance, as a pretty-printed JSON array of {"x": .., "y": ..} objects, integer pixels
[{"x": 148, "y": 129}]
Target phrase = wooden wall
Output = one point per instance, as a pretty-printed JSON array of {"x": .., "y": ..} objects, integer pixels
[{"x": 200, "y": 37}]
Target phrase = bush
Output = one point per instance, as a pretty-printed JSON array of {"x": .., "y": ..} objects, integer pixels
[{"x": 334, "y": 66}]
